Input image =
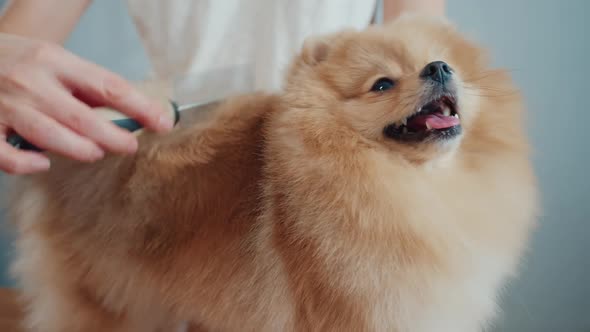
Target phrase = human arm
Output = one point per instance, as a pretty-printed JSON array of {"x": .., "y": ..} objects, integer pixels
[{"x": 48, "y": 20}]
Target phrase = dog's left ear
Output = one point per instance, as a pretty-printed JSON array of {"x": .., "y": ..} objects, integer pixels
[{"x": 317, "y": 49}]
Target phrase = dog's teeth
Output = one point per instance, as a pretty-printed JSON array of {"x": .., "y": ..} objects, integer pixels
[
  {"x": 405, "y": 121},
  {"x": 446, "y": 111},
  {"x": 456, "y": 115},
  {"x": 428, "y": 126},
  {"x": 405, "y": 130}
]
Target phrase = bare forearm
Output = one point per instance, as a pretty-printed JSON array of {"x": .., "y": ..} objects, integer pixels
[
  {"x": 394, "y": 8},
  {"x": 50, "y": 20}
]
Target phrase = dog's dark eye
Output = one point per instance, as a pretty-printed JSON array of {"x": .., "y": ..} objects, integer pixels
[{"x": 382, "y": 84}]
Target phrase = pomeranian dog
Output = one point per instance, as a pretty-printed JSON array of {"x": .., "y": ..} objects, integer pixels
[{"x": 388, "y": 187}]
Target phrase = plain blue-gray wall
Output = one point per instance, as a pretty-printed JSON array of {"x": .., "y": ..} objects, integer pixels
[{"x": 545, "y": 45}]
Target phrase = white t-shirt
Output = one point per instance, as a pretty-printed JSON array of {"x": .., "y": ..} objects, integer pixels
[{"x": 209, "y": 49}]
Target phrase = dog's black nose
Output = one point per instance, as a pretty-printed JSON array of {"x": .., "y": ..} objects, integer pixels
[{"x": 437, "y": 71}]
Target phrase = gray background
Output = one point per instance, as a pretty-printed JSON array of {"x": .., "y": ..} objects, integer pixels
[{"x": 545, "y": 45}]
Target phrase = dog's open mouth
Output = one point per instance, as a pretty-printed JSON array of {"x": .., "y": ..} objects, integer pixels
[{"x": 438, "y": 119}]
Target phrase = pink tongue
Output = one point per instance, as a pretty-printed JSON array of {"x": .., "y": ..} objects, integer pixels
[{"x": 435, "y": 121}]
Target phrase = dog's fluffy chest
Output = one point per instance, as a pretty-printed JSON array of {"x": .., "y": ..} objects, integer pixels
[
  {"x": 423, "y": 298},
  {"x": 424, "y": 255}
]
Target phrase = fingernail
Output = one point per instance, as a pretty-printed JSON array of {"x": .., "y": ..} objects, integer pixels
[
  {"x": 40, "y": 164},
  {"x": 132, "y": 146},
  {"x": 165, "y": 122},
  {"x": 97, "y": 153}
]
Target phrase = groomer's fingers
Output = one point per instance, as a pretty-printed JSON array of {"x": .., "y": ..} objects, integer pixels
[
  {"x": 47, "y": 134},
  {"x": 14, "y": 161},
  {"x": 80, "y": 118},
  {"x": 90, "y": 81}
]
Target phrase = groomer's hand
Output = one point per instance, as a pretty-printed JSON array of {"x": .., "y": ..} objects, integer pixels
[{"x": 46, "y": 95}]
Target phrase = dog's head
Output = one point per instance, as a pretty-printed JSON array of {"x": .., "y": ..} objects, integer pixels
[{"x": 411, "y": 86}]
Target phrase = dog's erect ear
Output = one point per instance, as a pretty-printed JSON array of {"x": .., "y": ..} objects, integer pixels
[{"x": 317, "y": 48}]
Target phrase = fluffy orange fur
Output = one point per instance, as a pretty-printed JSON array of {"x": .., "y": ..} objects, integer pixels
[{"x": 294, "y": 212}]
